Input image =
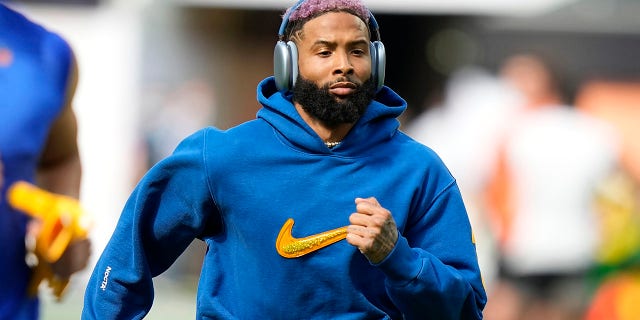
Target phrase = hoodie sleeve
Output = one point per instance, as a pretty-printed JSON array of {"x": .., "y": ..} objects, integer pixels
[
  {"x": 168, "y": 209},
  {"x": 433, "y": 269}
]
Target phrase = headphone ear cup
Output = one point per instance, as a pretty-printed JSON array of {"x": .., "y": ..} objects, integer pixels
[
  {"x": 378, "y": 62},
  {"x": 285, "y": 65}
]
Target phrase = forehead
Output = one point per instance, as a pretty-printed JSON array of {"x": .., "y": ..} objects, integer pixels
[{"x": 333, "y": 24}]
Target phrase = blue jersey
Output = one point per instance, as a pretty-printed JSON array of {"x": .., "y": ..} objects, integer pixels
[
  {"x": 235, "y": 189},
  {"x": 34, "y": 69}
]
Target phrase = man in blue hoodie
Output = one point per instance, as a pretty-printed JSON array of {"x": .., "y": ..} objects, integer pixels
[{"x": 275, "y": 197}]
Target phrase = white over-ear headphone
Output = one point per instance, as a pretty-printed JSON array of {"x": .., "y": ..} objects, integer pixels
[{"x": 285, "y": 56}]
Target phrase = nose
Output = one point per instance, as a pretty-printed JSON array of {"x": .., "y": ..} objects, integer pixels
[{"x": 343, "y": 64}]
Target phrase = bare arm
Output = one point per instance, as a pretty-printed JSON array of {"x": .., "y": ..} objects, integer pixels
[{"x": 59, "y": 169}]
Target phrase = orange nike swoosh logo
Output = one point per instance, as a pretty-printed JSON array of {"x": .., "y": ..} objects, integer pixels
[{"x": 290, "y": 247}]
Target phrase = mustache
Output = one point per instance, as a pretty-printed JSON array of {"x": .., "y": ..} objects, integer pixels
[{"x": 351, "y": 80}]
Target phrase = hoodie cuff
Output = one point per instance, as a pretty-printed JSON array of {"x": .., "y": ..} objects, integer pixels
[{"x": 401, "y": 263}]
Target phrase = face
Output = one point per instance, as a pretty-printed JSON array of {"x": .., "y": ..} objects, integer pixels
[
  {"x": 529, "y": 76},
  {"x": 334, "y": 68}
]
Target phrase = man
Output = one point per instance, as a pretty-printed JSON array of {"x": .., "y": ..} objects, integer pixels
[
  {"x": 38, "y": 144},
  {"x": 551, "y": 163},
  {"x": 274, "y": 197}
]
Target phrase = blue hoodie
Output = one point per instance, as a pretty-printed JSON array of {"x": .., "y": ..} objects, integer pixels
[{"x": 234, "y": 189}]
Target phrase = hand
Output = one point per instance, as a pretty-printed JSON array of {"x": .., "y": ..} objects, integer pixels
[
  {"x": 372, "y": 230},
  {"x": 74, "y": 258}
]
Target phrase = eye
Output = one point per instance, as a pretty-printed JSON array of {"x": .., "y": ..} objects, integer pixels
[
  {"x": 324, "y": 53},
  {"x": 358, "y": 52}
]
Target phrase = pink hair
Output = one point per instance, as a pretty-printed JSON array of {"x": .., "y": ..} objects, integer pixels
[{"x": 312, "y": 7}]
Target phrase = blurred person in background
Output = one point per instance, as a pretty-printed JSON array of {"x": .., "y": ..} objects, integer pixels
[
  {"x": 325, "y": 151},
  {"x": 38, "y": 144},
  {"x": 615, "y": 277},
  {"x": 464, "y": 130},
  {"x": 541, "y": 197}
]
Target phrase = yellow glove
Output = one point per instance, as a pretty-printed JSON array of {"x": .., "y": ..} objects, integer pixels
[{"x": 62, "y": 221}]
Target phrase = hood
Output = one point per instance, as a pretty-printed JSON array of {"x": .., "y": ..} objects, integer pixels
[{"x": 379, "y": 122}]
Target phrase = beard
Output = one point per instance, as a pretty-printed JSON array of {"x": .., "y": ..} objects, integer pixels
[{"x": 320, "y": 104}]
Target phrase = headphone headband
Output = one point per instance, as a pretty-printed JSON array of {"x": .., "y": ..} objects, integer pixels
[{"x": 285, "y": 19}]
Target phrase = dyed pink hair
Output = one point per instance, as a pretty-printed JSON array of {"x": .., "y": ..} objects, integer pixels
[{"x": 312, "y": 7}]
